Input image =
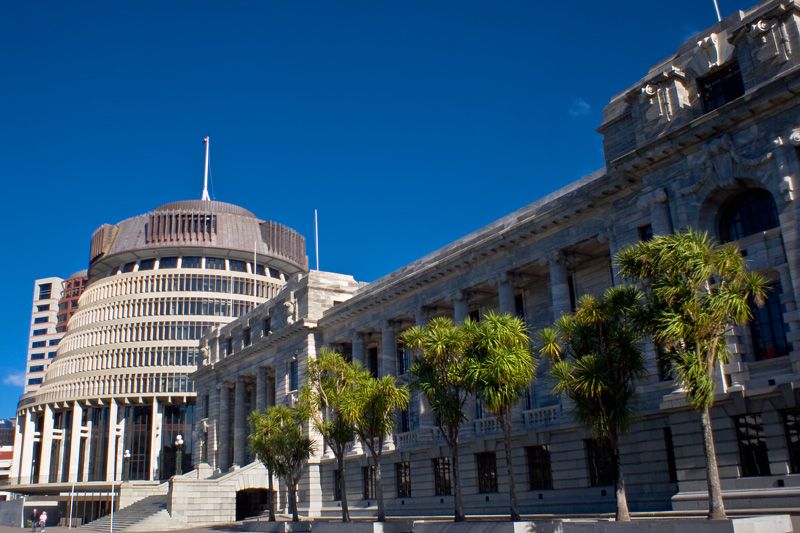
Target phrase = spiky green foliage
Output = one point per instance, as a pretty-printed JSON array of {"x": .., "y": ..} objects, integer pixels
[
  {"x": 440, "y": 374},
  {"x": 697, "y": 290},
  {"x": 597, "y": 358},
  {"x": 330, "y": 379},
  {"x": 371, "y": 410},
  {"x": 277, "y": 437},
  {"x": 499, "y": 367}
]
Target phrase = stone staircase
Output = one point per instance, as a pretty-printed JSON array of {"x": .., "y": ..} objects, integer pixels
[{"x": 149, "y": 514}]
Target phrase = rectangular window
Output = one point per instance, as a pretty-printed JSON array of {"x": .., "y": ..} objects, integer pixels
[
  {"x": 147, "y": 264},
  {"x": 539, "y": 470},
  {"x": 215, "y": 263},
  {"x": 273, "y": 273},
  {"x": 368, "y": 482},
  {"x": 573, "y": 298},
  {"x": 246, "y": 337},
  {"x": 38, "y": 344},
  {"x": 168, "y": 262},
  {"x": 53, "y": 342},
  {"x": 791, "y": 425},
  {"x": 767, "y": 328},
  {"x": 37, "y": 368},
  {"x": 294, "y": 377},
  {"x": 51, "y": 355},
  {"x": 664, "y": 362},
  {"x": 670, "y": 448},
  {"x": 228, "y": 346},
  {"x": 45, "y": 291},
  {"x": 40, "y": 308},
  {"x": 35, "y": 356},
  {"x": 487, "y": 472},
  {"x": 40, "y": 320},
  {"x": 190, "y": 261},
  {"x": 645, "y": 232},
  {"x": 128, "y": 267},
  {"x": 40, "y": 332},
  {"x": 721, "y": 87},
  {"x": 372, "y": 361},
  {"x": 267, "y": 326},
  {"x": 519, "y": 306},
  {"x": 402, "y": 359},
  {"x": 403, "y": 479},
  {"x": 752, "y": 446},
  {"x": 441, "y": 476},
  {"x": 600, "y": 462},
  {"x": 237, "y": 266},
  {"x": 35, "y": 381},
  {"x": 404, "y": 421}
]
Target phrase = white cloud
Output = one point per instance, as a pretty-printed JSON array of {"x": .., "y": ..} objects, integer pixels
[
  {"x": 579, "y": 108},
  {"x": 17, "y": 379}
]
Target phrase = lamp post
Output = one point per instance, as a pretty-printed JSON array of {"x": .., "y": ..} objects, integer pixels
[
  {"x": 126, "y": 466},
  {"x": 178, "y": 455}
]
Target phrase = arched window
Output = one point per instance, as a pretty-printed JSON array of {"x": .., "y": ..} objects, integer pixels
[{"x": 749, "y": 212}]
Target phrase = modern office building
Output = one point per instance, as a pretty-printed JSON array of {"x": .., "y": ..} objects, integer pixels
[
  {"x": 120, "y": 380},
  {"x": 709, "y": 138},
  {"x": 44, "y": 335},
  {"x": 71, "y": 290}
]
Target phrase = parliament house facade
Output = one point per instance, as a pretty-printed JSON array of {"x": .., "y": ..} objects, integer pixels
[{"x": 707, "y": 139}]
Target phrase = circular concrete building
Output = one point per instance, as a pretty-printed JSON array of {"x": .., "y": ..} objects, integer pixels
[{"x": 120, "y": 380}]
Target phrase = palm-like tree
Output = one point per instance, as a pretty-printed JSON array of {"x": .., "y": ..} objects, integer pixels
[
  {"x": 440, "y": 373},
  {"x": 596, "y": 359},
  {"x": 330, "y": 380},
  {"x": 277, "y": 437},
  {"x": 370, "y": 409},
  {"x": 697, "y": 290},
  {"x": 499, "y": 368}
]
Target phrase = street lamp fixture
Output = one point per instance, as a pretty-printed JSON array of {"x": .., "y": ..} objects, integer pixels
[
  {"x": 179, "y": 455},
  {"x": 126, "y": 467}
]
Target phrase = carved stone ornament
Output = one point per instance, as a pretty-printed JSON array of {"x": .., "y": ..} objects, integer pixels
[
  {"x": 710, "y": 47},
  {"x": 290, "y": 306},
  {"x": 771, "y": 39},
  {"x": 794, "y": 137}
]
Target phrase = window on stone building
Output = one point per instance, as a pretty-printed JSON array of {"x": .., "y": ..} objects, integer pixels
[
  {"x": 645, "y": 232},
  {"x": 539, "y": 470},
  {"x": 237, "y": 266},
  {"x": 246, "y": 340},
  {"x": 403, "y": 479},
  {"x": 53, "y": 342},
  {"x": 38, "y": 344},
  {"x": 721, "y": 86},
  {"x": 37, "y": 368},
  {"x": 791, "y": 425},
  {"x": 600, "y": 462},
  {"x": 40, "y": 308},
  {"x": 190, "y": 261},
  {"x": 403, "y": 421},
  {"x": 573, "y": 297},
  {"x": 40, "y": 332},
  {"x": 753, "y": 457},
  {"x": 40, "y": 320},
  {"x": 294, "y": 377},
  {"x": 372, "y": 360},
  {"x": 487, "y": 471},
  {"x": 37, "y": 356},
  {"x": 215, "y": 263},
  {"x": 228, "y": 346},
  {"x": 368, "y": 482},
  {"x": 267, "y": 326},
  {"x": 51, "y": 355},
  {"x": 664, "y": 362},
  {"x": 147, "y": 264},
  {"x": 168, "y": 262},
  {"x": 442, "y": 485},
  {"x": 35, "y": 381},
  {"x": 670, "y": 449},
  {"x": 128, "y": 267},
  {"x": 767, "y": 328},
  {"x": 519, "y": 306},
  {"x": 750, "y": 212},
  {"x": 478, "y": 409},
  {"x": 402, "y": 359}
]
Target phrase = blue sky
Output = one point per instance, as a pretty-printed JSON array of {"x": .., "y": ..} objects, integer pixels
[{"x": 407, "y": 124}]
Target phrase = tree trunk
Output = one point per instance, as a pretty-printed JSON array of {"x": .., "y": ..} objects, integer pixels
[
  {"x": 378, "y": 486},
  {"x": 293, "y": 499},
  {"x": 342, "y": 486},
  {"x": 623, "y": 515},
  {"x": 512, "y": 489},
  {"x": 272, "y": 496},
  {"x": 458, "y": 501},
  {"x": 716, "y": 508}
]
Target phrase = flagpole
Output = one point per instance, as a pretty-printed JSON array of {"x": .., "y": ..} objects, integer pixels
[
  {"x": 716, "y": 7},
  {"x": 316, "y": 237}
]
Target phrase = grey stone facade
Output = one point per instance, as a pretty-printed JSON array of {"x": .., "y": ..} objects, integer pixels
[{"x": 708, "y": 129}]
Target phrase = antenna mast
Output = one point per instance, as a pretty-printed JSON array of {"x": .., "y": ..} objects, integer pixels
[
  {"x": 316, "y": 238},
  {"x": 205, "y": 175}
]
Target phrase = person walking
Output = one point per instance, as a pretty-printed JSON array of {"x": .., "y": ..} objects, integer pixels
[
  {"x": 34, "y": 519},
  {"x": 43, "y": 520}
]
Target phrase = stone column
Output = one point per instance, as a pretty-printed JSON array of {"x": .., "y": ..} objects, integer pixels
[
  {"x": 388, "y": 360},
  {"x": 26, "y": 460},
  {"x": 75, "y": 443},
  {"x": 46, "y": 438},
  {"x": 223, "y": 424},
  {"x": 505, "y": 295},
  {"x": 358, "y": 349},
  {"x": 240, "y": 423},
  {"x": 261, "y": 388},
  {"x": 460, "y": 307},
  {"x": 559, "y": 286},
  {"x": 155, "y": 440},
  {"x": 111, "y": 452}
]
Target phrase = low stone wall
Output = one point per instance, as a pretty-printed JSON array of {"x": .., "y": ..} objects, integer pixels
[{"x": 134, "y": 491}]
